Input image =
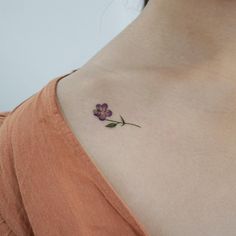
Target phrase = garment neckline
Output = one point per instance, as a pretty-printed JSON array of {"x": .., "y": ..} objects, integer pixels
[{"x": 101, "y": 181}]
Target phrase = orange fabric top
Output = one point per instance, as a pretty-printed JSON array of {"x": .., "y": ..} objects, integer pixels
[{"x": 49, "y": 186}]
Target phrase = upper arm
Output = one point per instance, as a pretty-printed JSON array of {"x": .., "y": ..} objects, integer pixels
[
  {"x": 5, "y": 229},
  {"x": 3, "y": 115},
  {"x": 13, "y": 219}
]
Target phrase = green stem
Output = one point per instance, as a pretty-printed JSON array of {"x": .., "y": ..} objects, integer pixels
[
  {"x": 133, "y": 124},
  {"x": 113, "y": 121},
  {"x": 124, "y": 123}
]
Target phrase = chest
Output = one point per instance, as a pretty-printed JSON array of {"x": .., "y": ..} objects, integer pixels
[
  {"x": 176, "y": 173},
  {"x": 174, "y": 182}
]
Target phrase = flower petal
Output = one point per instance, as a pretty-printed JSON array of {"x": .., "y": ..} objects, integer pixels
[
  {"x": 99, "y": 107},
  {"x": 104, "y": 106},
  {"x": 102, "y": 116},
  {"x": 108, "y": 112},
  {"x": 95, "y": 112}
]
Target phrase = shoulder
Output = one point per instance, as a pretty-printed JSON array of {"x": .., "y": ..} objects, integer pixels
[
  {"x": 12, "y": 221},
  {"x": 18, "y": 131},
  {"x": 82, "y": 87}
]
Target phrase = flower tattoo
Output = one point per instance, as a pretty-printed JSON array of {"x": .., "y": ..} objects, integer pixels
[{"x": 102, "y": 112}]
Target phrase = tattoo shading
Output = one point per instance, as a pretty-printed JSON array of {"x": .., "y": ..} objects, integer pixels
[{"x": 102, "y": 112}]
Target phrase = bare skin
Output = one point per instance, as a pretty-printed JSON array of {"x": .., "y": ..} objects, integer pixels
[{"x": 171, "y": 71}]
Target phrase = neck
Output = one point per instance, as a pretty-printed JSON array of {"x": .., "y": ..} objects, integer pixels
[{"x": 175, "y": 34}]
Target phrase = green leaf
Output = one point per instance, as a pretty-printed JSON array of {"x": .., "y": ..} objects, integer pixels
[{"x": 111, "y": 125}]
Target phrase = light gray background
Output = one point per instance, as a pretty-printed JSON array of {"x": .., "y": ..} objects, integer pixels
[{"x": 40, "y": 40}]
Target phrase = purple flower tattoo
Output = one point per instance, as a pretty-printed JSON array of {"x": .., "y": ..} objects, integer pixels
[{"x": 102, "y": 112}]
